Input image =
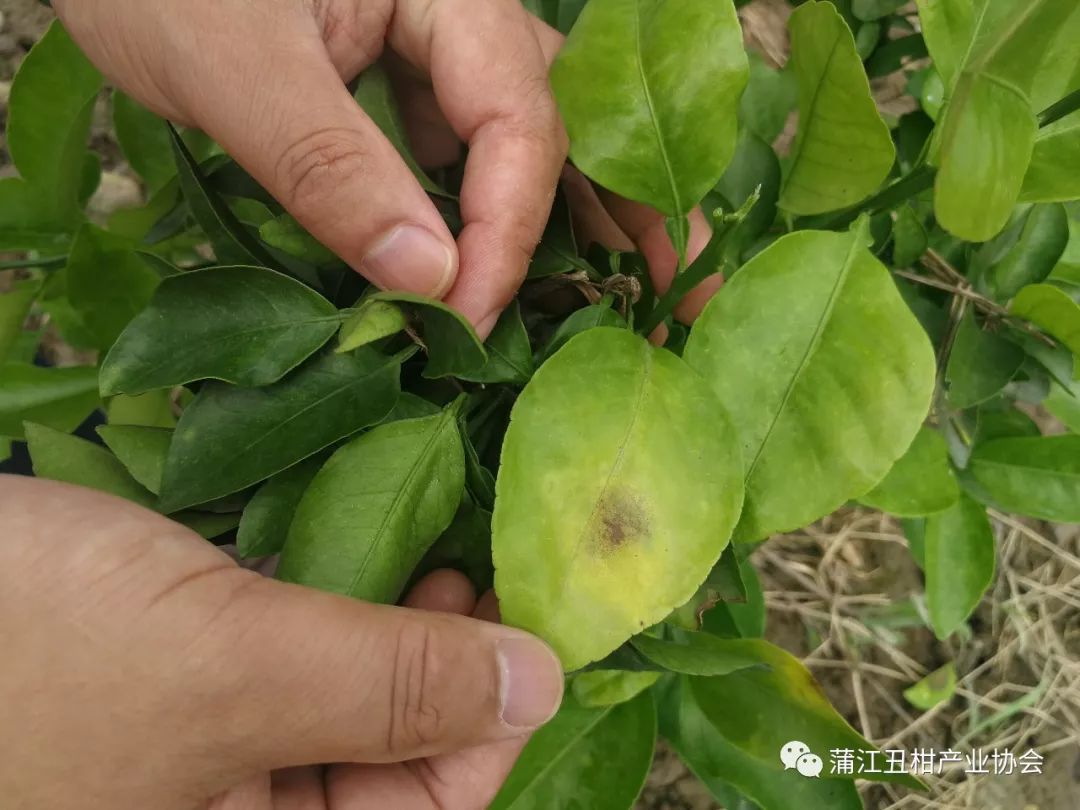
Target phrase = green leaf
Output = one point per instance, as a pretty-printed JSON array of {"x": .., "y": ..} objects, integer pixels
[
  {"x": 1041, "y": 243},
  {"x": 231, "y": 242},
  {"x": 771, "y": 95},
  {"x": 376, "y": 507},
  {"x": 289, "y": 236},
  {"x": 778, "y": 703},
  {"x": 826, "y": 374},
  {"x": 1054, "y": 172},
  {"x": 14, "y": 307},
  {"x": 1034, "y": 476},
  {"x": 142, "y": 450},
  {"x": 144, "y": 140},
  {"x": 450, "y": 341},
  {"x": 372, "y": 321},
  {"x": 582, "y": 320},
  {"x": 581, "y": 530},
  {"x": 606, "y": 687},
  {"x": 947, "y": 26},
  {"x": 959, "y": 563},
  {"x": 244, "y": 325},
  {"x": 230, "y": 438},
  {"x": 375, "y": 95},
  {"x": 559, "y": 14},
  {"x": 843, "y": 150},
  {"x": 910, "y": 240},
  {"x": 920, "y": 483},
  {"x": 510, "y": 358},
  {"x": 153, "y": 409},
  {"x": 718, "y": 763},
  {"x": 48, "y": 124},
  {"x": 595, "y": 758},
  {"x": 875, "y": 9},
  {"x": 980, "y": 365},
  {"x": 557, "y": 251},
  {"x": 986, "y": 134},
  {"x": 754, "y": 167},
  {"x": 1065, "y": 406},
  {"x": 1050, "y": 308},
  {"x": 208, "y": 524},
  {"x": 62, "y": 457},
  {"x": 59, "y": 398},
  {"x": 107, "y": 283},
  {"x": 465, "y": 545},
  {"x": 649, "y": 92},
  {"x": 935, "y": 688},
  {"x": 268, "y": 515},
  {"x": 693, "y": 653},
  {"x": 739, "y": 620}
]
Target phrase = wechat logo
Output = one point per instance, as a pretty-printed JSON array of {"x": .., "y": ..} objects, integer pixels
[{"x": 797, "y": 755}]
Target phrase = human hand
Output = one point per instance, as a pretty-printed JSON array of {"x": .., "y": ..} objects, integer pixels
[
  {"x": 144, "y": 668},
  {"x": 265, "y": 80}
]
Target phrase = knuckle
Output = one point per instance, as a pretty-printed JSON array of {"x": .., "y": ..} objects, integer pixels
[
  {"x": 317, "y": 161},
  {"x": 415, "y": 720}
]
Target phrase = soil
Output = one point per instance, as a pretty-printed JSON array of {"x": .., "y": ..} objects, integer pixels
[{"x": 840, "y": 592}]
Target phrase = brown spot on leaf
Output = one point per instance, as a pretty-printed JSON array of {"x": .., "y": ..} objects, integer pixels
[{"x": 621, "y": 519}]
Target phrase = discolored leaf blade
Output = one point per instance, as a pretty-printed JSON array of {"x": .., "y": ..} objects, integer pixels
[
  {"x": 649, "y": 93},
  {"x": 584, "y": 757},
  {"x": 825, "y": 371},
  {"x": 376, "y": 507},
  {"x": 958, "y": 559},
  {"x": 935, "y": 688},
  {"x": 230, "y": 438},
  {"x": 584, "y": 534},
  {"x": 244, "y": 325},
  {"x": 843, "y": 150},
  {"x": 372, "y": 321},
  {"x": 920, "y": 483}
]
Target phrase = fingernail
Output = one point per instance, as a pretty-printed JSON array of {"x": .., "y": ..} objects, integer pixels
[
  {"x": 530, "y": 682},
  {"x": 412, "y": 258}
]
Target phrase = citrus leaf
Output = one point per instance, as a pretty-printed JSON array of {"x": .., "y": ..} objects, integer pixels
[
  {"x": 958, "y": 558},
  {"x": 230, "y": 438},
  {"x": 1036, "y": 476},
  {"x": 935, "y": 688},
  {"x": 376, "y": 507},
  {"x": 696, "y": 653},
  {"x": 372, "y": 321},
  {"x": 843, "y": 150},
  {"x": 144, "y": 140},
  {"x": 509, "y": 354},
  {"x": 584, "y": 757},
  {"x": 142, "y": 451},
  {"x": 649, "y": 92},
  {"x": 452, "y": 345},
  {"x": 826, "y": 374},
  {"x": 1051, "y": 309},
  {"x": 606, "y": 687},
  {"x": 14, "y": 307},
  {"x": 1041, "y": 243},
  {"x": 920, "y": 483},
  {"x": 580, "y": 321},
  {"x": 59, "y": 398},
  {"x": 1054, "y": 172},
  {"x": 596, "y": 539},
  {"x": 62, "y": 457},
  {"x": 268, "y": 515},
  {"x": 980, "y": 365},
  {"x": 289, "y": 236},
  {"x": 244, "y": 325}
]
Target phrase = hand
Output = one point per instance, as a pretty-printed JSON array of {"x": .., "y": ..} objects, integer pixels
[
  {"x": 143, "y": 668},
  {"x": 265, "y": 80}
]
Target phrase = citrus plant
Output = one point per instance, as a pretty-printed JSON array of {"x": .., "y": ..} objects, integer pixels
[{"x": 901, "y": 292}]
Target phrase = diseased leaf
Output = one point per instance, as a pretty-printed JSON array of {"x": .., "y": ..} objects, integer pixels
[
  {"x": 107, "y": 283},
  {"x": 843, "y": 150},
  {"x": 268, "y": 515},
  {"x": 142, "y": 451},
  {"x": 720, "y": 764},
  {"x": 58, "y": 398},
  {"x": 373, "y": 320},
  {"x": 509, "y": 354},
  {"x": 825, "y": 371},
  {"x": 452, "y": 345},
  {"x": 1036, "y": 476},
  {"x": 584, "y": 534},
  {"x": 935, "y": 688},
  {"x": 376, "y": 507},
  {"x": 244, "y": 325},
  {"x": 62, "y": 457},
  {"x": 980, "y": 365},
  {"x": 958, "y": 561},
  {"x": 230, "y": 438},
  {"x": 920, "y": 483},
  {"x": 584, "y": 757},
  {"x": 648, "y": 92}
]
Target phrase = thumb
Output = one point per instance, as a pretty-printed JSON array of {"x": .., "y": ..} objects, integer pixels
[
  {"x": 326, "y": 678},
  {"x": 314, "y": 149}
]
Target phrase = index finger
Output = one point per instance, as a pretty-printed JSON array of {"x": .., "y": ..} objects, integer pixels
[{"x": 490, "y": 79}]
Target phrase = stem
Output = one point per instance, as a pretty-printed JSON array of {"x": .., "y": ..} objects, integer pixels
[
  {"x": 24, "y": 264},
  {"x": 916, "y": 182},
  {"x": 1058, "y": 110}
]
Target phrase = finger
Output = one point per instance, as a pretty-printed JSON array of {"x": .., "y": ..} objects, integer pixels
[
  {"x": 298, "y": 789},
  {"x": 355, "y": 682},
  {"x": 487, "y": 608},
  {"x": 490, "y": 78},
  {"x": 311, "y": 146},
  {"x": 443, "y": 591}
]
